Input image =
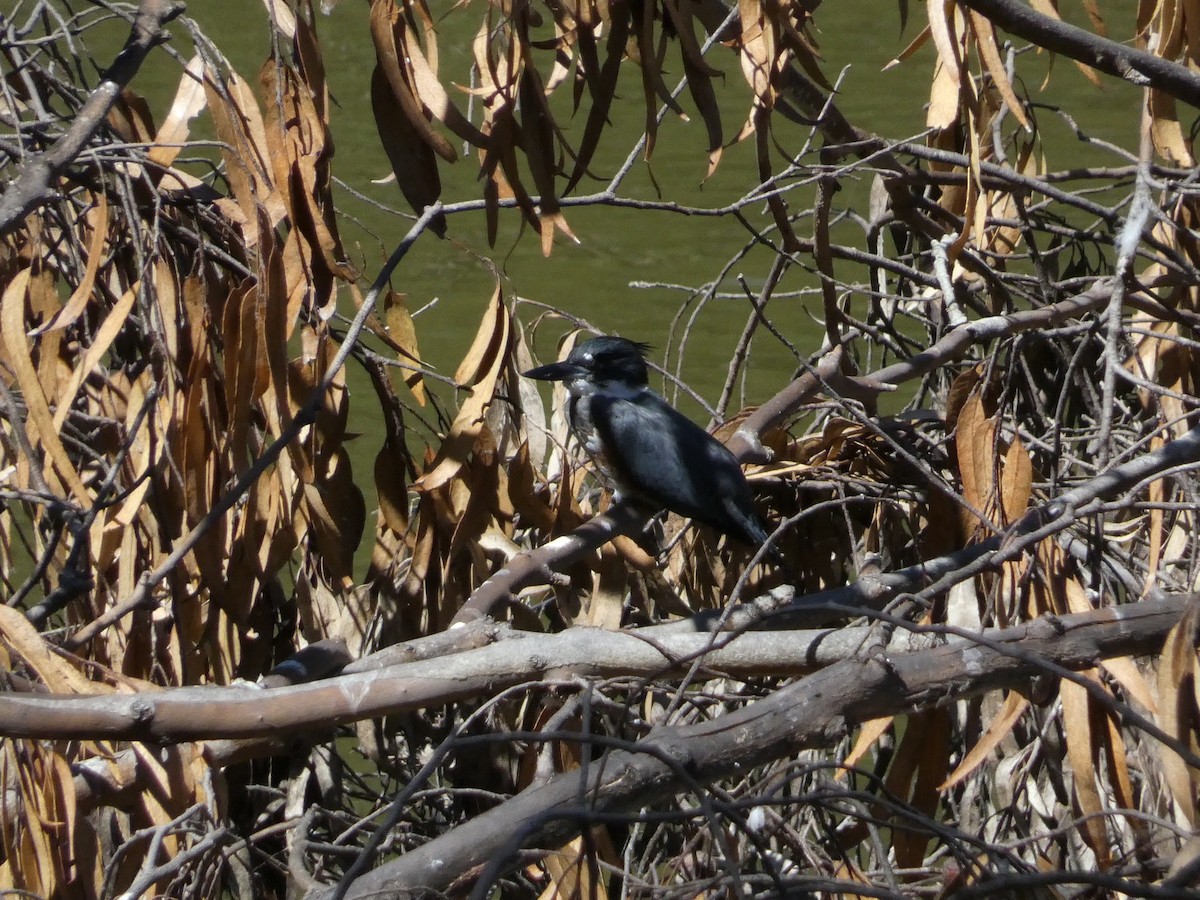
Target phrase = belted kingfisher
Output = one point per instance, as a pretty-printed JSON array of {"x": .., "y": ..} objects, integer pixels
[{"x": 650, "y": 452}]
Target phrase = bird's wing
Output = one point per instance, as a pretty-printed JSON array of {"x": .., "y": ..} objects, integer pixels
[{"x": 670, "y": 460}]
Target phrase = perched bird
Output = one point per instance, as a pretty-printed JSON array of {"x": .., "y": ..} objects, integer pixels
[{"x": 650, "y": 452}]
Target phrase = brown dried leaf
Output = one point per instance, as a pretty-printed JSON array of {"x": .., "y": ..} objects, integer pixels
[
  {"x": 914, "y": 45},
  {"x": 797, "y": 41},
  {"x": 1126, "y": 673},
  {"x": 961, "y": 390},
  {"x": 403, "y": 333},
  {"x": 282, "y": 18},
  {"x": 758, "y": 52},
  {"x": 104, "y": 337},
  {"x": 1118, "y": 767},
  {"x": 391, "y": 485},
  {"x": 1082, "y": 751},
  {"x": 974, "y": 442},
  {"x": 412, "y": 158},
  {"x": 943, "y": 97},
  {"x": 948, "y": 73},
  {"x": 1167, "y": 132},
  {"x": 1178, "y": 713},
  {"x": 240, "y": 335},
  {"x": 537, "y": 139},
  {"x": 1077, "y": 598},
  {"x": 98, "y": 224},
  {"x": 522, "y": 492},
  {"x": 429, "y": 91},
  {"x": 301, "y": 153},
  {"x": 870, "y": 732},
  {"x": 572, "y": 871},
  {"x": 1016, "y": 482},
  {"x": 21, "y": 638},
  {"x": 1191, "y": 25},
  {"x": 681, "y": 15},
  {"x": 239, "y": 125},
  {"x": 700, "y": 86},
  {"x": 1168, "y": 26},
  {"x": 280, "y": 310},
  {"x": 388, "y": 30},
  {"x": 1048, "y": 8},
  {"x": 607, "y": 602},
  {"x": 779, "y": 210},
  {"x": 338, "y": 515},
  {"x": 985, "y": 40},
  {"x": 480, "y": 371},
  {"x": 919, "y": 765},
  {"x": 1155, "y": 495},
  {"x": 44, "y": 433},
  {"x": 1097, "y": 20},
  {"x": 602, "y": 83},
  {"x": 39, "y": 784},
  {"x": 500, "y": 75},
  {"x": 190, "y": 100},
  {"x": 998, "y": 729},
  {"x": 651, "y": 65},
  {"x": 131, "y": 118}
]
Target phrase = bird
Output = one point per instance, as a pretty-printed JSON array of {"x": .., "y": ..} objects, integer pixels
[{"x": 647, "y": 450}]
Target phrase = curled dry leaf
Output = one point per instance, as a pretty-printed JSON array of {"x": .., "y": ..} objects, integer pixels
[
  {"x": 1000, "y": 727},
  {"x": 98, "y": 222},
  {"x": 986, "y": 42},
  {"x": 190, "y": 100},
  {"x": 403, "y": 334},
  {"x": 413, "y": 160},
  {"x": 949, "y": 73},
  {"x": 389, "y": 32},
  {"x": 480, "y": 372},
  {"x": 60, "y": 469},
  {"x": 601, "y": 81},
  {"x": 238, "y": 120},
  {"x": 1049, "y": 8},
  {"x": 1083, "y": 747},
  {"x": 1179, "y": 710}
]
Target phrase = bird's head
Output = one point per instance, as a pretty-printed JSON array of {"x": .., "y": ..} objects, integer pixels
[{"x": 601, "y": 361}]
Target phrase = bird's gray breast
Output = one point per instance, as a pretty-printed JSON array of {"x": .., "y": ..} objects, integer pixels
[
  {"x": 583, "y": 425},
  {"x": 590, "y": 437}
]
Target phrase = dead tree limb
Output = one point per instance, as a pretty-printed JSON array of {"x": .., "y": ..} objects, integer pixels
[
  {"x": 1110, "y": 57},
  {"x": 814, "y": 712}
]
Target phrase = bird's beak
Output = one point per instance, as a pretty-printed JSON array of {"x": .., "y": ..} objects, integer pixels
[{"x": 559, "y": 371}]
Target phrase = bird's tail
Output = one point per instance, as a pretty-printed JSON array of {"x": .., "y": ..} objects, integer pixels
[{"x": 756, "y": 535}]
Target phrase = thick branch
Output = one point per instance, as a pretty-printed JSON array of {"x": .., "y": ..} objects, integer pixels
[
  {"x": 1137, "y": 66},
  {"x": 813, "y": 712},
  {"x": 206, "y": 713}
]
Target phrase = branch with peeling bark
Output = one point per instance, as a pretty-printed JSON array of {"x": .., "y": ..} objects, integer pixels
[
  {"x": 813, "y": 712},
  {"x": 509, "y": 658},
  {"x": 915, "y": 671}
]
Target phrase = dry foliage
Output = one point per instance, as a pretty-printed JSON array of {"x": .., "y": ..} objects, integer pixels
[{"x": 1009, "y": 699}]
